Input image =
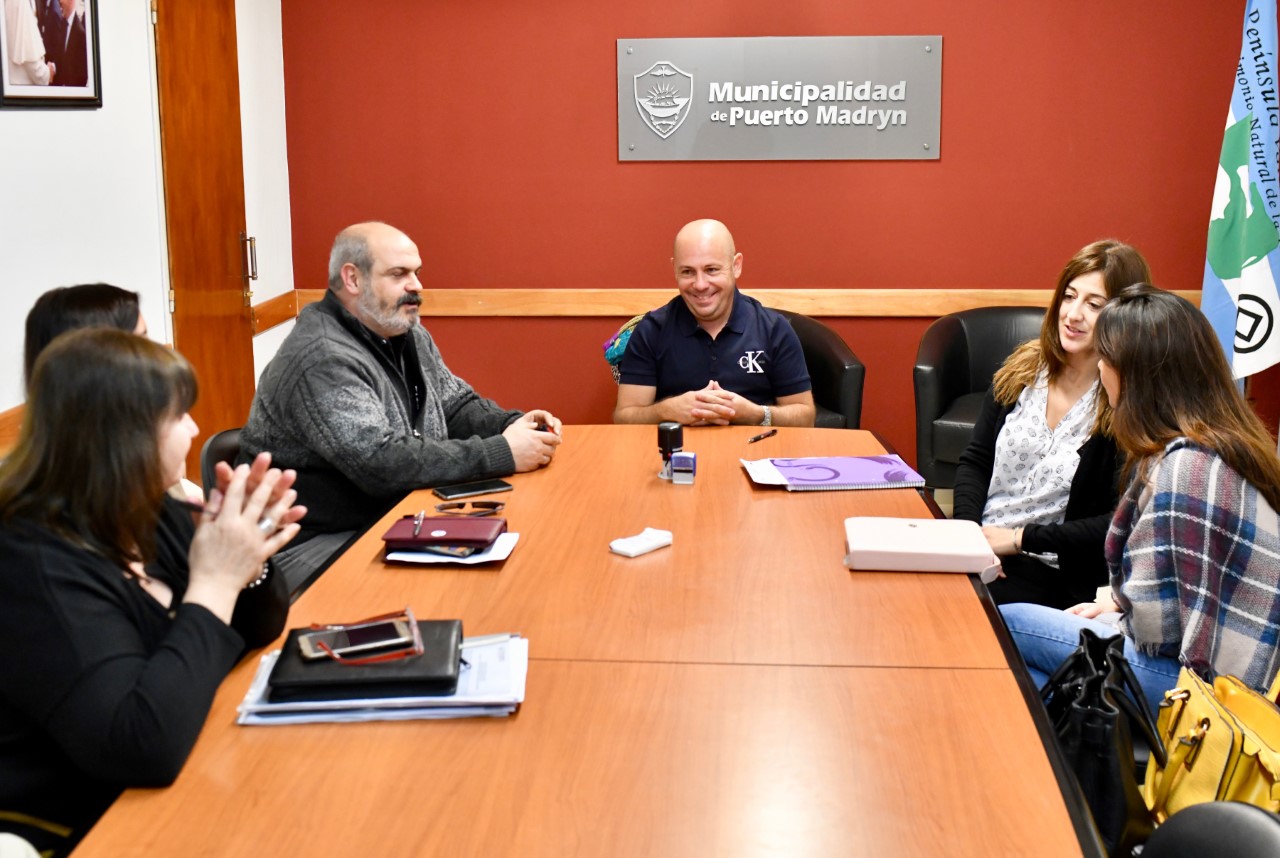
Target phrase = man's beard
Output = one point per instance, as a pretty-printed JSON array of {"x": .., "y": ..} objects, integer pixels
[{"x": 389, "y": 318}]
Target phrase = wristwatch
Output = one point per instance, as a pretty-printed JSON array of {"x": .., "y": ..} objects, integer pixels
[{"x": 768, "y": 416}]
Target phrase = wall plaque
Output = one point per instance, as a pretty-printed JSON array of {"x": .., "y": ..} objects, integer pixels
[{"x": 794, "y": 98}]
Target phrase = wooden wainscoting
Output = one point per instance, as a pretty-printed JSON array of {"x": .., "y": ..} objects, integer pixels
[{"x": 851, "y": 303}]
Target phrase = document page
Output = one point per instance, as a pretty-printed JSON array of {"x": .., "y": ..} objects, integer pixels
[{"x": 763, "y": 473}]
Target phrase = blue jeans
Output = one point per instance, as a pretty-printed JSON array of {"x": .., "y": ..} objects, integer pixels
[{"x": 1046, "y": 636}]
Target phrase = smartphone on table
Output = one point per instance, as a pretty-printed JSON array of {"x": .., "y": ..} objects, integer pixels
[
  {"x": 467, "y": 490},
  {"x": 356, "y": 639}
]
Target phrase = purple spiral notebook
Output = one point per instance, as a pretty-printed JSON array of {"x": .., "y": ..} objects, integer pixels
[{"x": 832, "y": 473}]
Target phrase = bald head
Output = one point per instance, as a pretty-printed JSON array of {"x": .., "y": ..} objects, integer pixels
[
  {"x": 705, "y": 234},
  {"x": 352, "y": 247},
  {"x": 373, "y": 270}
]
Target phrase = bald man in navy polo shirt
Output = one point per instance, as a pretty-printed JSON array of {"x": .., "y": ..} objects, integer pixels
[{"x": 713, "y": 356}]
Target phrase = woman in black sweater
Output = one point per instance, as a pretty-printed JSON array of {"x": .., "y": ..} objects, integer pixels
[{"x": 119, "y": 613}]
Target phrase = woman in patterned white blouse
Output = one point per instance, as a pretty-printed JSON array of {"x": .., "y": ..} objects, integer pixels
[{"x": 1040, "y": 473}]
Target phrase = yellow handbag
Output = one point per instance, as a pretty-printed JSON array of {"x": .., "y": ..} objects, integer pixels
[{"x": 1223, "y": 744}]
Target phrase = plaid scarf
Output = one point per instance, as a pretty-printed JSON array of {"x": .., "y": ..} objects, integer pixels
[{"x": 1194, "y": 556}]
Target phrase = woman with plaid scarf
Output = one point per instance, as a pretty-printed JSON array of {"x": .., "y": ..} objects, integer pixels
[{"x": 1194, "y": 548}]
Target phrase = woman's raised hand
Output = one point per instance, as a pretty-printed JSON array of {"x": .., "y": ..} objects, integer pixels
[{"x": 248, "y": 518}]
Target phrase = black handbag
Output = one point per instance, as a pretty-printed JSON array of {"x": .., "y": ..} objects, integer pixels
[{"x": 1097, "y": 708}]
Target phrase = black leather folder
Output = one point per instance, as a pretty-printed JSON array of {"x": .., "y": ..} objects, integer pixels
[{"x": 434, "y": 673}]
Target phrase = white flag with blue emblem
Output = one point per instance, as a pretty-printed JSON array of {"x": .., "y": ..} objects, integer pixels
[{"x": 1242, "y": 265}]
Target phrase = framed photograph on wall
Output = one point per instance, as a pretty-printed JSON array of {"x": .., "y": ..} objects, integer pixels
[{"x": 49, "y": 54}]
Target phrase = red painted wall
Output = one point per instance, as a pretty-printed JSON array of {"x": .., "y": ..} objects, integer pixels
[{"x": 487, "y": 131}]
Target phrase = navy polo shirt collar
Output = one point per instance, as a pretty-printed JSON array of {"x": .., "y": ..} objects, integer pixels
[{"x": 687, "y": 323}]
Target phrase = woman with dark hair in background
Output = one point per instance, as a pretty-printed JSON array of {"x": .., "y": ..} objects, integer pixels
[
  {"x": 89, "y": 305},
  {"x": 1040, "y": 472},
  {"x": 119, "y": 615},
  {"x": 69, "y": 308},
  {"x": 1194, "y": 548}
]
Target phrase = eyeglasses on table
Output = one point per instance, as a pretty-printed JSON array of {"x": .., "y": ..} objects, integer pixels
[{"x": 475, "y": 509}]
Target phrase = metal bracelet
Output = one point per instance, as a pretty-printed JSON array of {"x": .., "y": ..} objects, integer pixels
[{"x": 266, "y": 570}]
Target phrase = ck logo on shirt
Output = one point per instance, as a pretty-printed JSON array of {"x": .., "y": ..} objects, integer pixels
[{"x": 750, "y": 361}]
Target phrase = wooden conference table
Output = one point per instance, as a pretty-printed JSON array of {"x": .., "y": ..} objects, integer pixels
[{"x": 739, "y": 693}]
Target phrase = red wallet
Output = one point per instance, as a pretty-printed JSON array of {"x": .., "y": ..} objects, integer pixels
[{"x": 451, "y": 530}]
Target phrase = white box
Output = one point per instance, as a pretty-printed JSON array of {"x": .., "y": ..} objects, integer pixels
[{"x": 918, "y": 545}]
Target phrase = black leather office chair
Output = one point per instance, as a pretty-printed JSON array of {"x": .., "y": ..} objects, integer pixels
[
  {"x": 834, "y": 370},
  {"x": 1217, "y": 828},
  {"x": 957, "y": 357},
  {"x": 222, "y": 446}
]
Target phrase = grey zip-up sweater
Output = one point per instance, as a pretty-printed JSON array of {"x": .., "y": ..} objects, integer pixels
[{"x": 332, "y": 406}]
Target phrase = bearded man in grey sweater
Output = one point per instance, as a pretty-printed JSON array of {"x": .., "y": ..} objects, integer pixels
[{"x": 360, "y": 403}]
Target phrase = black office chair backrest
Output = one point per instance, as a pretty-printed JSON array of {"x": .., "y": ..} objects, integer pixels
[
  {"x": 958, "y": 355},
  {"x": 1217, "y": 828},
  {"x": 222, "y": 446},
  {"x": 834, "y": 371},
  {"x": 982, "y": 338}
]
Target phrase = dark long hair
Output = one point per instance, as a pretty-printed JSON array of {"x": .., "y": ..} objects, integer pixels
[
  {"x": 87, "y": 463},
  {"x": 1175, "y": 382},
  {"x": 1120, "y": 265},
  {"x": 69, "y": 308}
]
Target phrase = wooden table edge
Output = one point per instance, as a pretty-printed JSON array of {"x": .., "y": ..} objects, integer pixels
[{"x": 1072, "y": 795}]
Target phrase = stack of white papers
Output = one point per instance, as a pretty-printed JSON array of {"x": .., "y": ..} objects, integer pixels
[{"x": 491, "y": 685}]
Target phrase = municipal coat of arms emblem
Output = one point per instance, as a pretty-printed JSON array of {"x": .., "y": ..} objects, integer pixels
[{"x": 663, "y": 95}]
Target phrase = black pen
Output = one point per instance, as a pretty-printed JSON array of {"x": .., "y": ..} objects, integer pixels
[
  {"x": 417, "y": 521},
  {"x": 762, "y": 436}
]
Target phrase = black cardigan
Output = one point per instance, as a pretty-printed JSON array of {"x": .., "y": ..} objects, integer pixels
[
  {"x": 103, "y": 687},
  {"x": 1080, "y": 540}
]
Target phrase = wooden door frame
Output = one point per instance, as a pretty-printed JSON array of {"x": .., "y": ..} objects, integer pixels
[{"x": 203, "y": 211}]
